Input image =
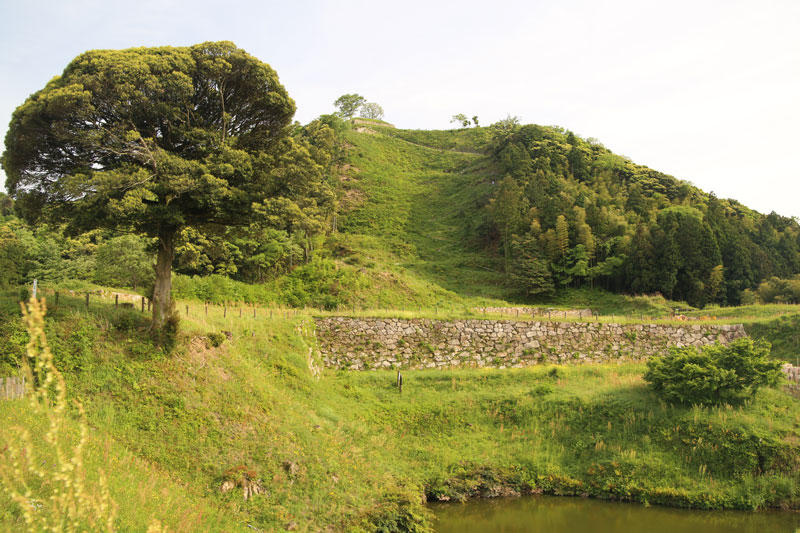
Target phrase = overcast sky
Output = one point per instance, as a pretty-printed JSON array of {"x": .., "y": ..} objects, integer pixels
[{"x": 705, "y": 91}]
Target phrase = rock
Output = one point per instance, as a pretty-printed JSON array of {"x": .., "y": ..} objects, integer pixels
[{"x": 290, "y": 467}]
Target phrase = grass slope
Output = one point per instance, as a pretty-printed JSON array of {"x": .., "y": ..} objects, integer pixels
[
  {"x": 412, "y": 196},
  {"x": 346, "y": 451},
  {"x": 414, "y": 205}
]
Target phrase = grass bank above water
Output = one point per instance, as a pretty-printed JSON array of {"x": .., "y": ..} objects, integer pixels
[{"x": 347, "y": 451}]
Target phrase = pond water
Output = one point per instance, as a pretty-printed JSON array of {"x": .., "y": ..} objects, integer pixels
[{"x": 552, "y": 514}]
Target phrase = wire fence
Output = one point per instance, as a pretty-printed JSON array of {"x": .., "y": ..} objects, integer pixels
[{"x": 106, "y": 298}]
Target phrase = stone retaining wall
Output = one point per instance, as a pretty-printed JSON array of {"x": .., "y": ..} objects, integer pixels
[
  {"x": 371, "y": 343},
  {"x": 792, "y": 374},
  {"x": 536, "y": 311}
]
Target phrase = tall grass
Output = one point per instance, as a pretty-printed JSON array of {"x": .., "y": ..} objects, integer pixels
[{"x": 47, "y": 481}]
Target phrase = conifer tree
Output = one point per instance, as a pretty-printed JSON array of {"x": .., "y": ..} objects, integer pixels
[
  {"x": 508, "y": 209},
  {"x": 154, "y": 140}
]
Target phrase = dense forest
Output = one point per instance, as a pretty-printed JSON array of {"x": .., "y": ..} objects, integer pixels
[{"x": 567, "y": 211}]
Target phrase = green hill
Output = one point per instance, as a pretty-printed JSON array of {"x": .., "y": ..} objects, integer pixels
[
  {"x": 497, "y": 215},
  {"x": 473, "y": 209},
  {"x": 429, "y": 223}
]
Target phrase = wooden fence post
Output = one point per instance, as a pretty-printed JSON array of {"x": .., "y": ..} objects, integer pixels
[
  {"x": 87, "y": 300},
  {"x": 142, "y": 304},
  {"x": 116, "y": 300},
  {"x": 12, "y": 388}
]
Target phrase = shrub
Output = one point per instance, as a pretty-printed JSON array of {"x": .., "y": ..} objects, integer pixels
[
  {"x": 129, "y": 320},
  {"x": 13, "y": 339},
  {"x": 714, "y": 374},
  {"x": 216, "y": 339},
  {"x": 776, "y": 290}
]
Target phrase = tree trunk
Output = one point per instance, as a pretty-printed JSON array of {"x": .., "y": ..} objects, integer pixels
[{"x": 162, "y": 297}]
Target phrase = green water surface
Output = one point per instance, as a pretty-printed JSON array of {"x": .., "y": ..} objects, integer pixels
[{"x": 552, "y": 514}]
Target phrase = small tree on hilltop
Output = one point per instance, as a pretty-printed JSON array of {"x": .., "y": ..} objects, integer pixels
[
  {"x": 154, "y": 140},
  {"x": 371, "y": 110},
  {"x": 462, "y": 119},
  {"x": 348, "y": 104}
]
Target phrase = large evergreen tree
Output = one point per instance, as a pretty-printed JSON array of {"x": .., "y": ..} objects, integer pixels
[{"x": 159, "y": 139}]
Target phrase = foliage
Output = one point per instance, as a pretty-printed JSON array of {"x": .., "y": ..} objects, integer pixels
[
  {"x": 641, "y": 230},
  {"x": 216, "y": 339},
  {"x": 508, "y": 209},
  {"x": 530, "y": 270},
  {"x": 371, "y": 110},
  {"x": 776, "y": 290},
  {"x": 462, "y": 119},
  {"x": 506, "y": 125},
  {"x": 400, "y": 511},
  {"x": 12, "y": 258},
  {"x": 48, "y": 482},
  {"x": 321, "y": 284},
  {"x": 139, "y": 160},
  {"x": 348, "y": 104},
  {"x": 783, "y": 334},
  {"x": 124, "y": 262},
  {"x": 13, "y": 338},
  {"x": 6, "y": 205},
  {"x": 714, "y": 374}
]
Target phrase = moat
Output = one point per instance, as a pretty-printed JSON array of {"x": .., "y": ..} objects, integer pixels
[{"x": 555, "y": 514}]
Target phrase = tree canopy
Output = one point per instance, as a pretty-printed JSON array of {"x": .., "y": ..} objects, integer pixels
[
  {"x": 348, "y": 104},
  {"x": 594, "y": 217},
  {"x": 462, "y": 119},
  {"x": 155, "y": 140},
  {"x": 371, "y": 110}
]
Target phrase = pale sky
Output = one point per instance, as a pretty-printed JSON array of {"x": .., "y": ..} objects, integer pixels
[{"x": 705, "y": 91}]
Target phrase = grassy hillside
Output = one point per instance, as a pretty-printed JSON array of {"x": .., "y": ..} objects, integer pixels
[
  {"x": 413, "y": 202},
  {"x": 348, "y": 451},
  {"x": 242, "y": 396},
  {"x": 412, "y": 205}
]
